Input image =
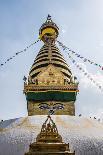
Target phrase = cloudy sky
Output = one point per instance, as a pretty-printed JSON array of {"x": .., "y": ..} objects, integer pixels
[{"x": 81, "y": 29}]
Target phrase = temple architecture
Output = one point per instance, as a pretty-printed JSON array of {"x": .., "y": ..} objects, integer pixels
[
  {"x": 49, "y": 142},
  {"x": 51, "y": 87},
  {"x": 51, "y": 127}
]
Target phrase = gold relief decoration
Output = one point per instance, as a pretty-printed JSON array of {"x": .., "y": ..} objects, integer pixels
[
  {"x": 51, "y": 76},
  {"x": 49, "y": 141}
]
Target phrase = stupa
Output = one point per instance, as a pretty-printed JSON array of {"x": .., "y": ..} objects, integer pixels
[
  {"x": 51, "y": 91},
  {"x": 51, "y": 85}
]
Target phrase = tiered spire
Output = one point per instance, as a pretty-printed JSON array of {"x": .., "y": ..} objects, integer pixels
[
  {"x": 50, "y": 81},
  {"x": 49, "y": 53}
]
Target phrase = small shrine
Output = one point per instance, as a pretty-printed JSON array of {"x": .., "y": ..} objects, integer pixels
[{"x": 49, "y": 141}]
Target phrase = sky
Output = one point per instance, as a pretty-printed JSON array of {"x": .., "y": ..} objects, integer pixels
[{"x": 81, "y": 28}]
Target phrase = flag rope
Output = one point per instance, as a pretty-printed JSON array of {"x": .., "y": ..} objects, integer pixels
[
  {"x": 79, "y": 56},
  {"x": 17, "y": 53},
  {"x": 81, "y": 69}
]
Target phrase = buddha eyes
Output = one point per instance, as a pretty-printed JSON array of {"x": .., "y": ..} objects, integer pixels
[
  {"x": 56, "y": 106},
  {"x": 43, "y": 106}
]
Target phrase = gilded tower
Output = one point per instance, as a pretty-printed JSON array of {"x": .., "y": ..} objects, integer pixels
[{"x": 51, "y": 88}]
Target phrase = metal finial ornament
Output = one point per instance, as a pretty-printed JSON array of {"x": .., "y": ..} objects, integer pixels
[
  {"x": 48, "y": 31},
  {"x": 49, "y": 17}
]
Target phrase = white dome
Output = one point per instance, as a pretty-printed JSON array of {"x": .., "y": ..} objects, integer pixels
[{"x": 85, "y": 136}]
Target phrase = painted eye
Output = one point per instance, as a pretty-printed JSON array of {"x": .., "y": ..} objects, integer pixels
[
  {"x": 43, "y": 106},
  {"x": 60, "y": 107},
  {"x": 54, "y": 107}
]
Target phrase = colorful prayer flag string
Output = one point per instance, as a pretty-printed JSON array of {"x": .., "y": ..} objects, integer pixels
[
  {"x": 79, "y": 56},
  {"x": 17, "y": 53},
  {"x": 83, "y": 71}
]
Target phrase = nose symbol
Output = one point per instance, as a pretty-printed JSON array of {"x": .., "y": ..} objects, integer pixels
[{"x": 51, "y": 111}]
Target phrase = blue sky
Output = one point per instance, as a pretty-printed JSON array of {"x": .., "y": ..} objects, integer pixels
[{"x": 81, "y": 29}]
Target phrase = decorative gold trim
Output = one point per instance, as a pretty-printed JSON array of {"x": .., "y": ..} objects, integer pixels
[{"x": 33, "y": 88}]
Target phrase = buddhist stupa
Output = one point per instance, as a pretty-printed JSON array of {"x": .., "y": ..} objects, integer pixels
[{"x": 51, "y": 92}]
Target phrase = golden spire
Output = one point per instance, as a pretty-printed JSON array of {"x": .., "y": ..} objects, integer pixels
[
  {"x": 48, "y": 31},
  {"x": 50, "y": 81}
]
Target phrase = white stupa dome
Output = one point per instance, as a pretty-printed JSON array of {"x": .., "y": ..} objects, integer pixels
[{"x": 84, "y": 135}]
